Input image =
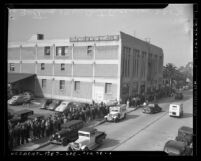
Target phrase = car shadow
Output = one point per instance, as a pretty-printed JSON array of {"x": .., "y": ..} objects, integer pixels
[
  {"x": 110, "y": 143},
  {"x": 187, "y": 115},
  {"x": 128, "y": 117}
]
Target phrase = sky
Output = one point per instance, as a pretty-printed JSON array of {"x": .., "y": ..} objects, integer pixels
[{"x": 170, "y": 28}]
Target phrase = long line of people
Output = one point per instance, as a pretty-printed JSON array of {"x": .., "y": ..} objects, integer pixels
[{"x": 30, "y": 130}]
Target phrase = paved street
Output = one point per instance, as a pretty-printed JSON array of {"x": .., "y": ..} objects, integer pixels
[{"x": 146, "y": 132}]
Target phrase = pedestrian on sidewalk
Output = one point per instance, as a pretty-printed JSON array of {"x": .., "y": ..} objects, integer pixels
[{"x": 127, "y": 103}]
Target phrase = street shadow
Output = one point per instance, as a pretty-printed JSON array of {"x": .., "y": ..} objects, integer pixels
[
  {"x": 110, "y": 143},
  {"x": 187, "y": 115},
  {"x": 128, "y": 117}
]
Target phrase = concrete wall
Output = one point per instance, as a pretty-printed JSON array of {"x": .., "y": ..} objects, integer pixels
[
  {"x": 14, "y": 53},
  {"x": 41, "y": 53},
  {"x": 28, "y": 67},
  {"x": 42, "y": 91},
  {"x": 28, "y": 53},
  {"x": 80, "y": 52},
  {"x": 59, "y": 72},
  {"x": 17, "y": 67},
  {"x": 106, "y": 52},
  {"x": 106, "y": 70},
  {"x": 47, "y": 71},
  {"x": 83, "y": 70},
  {"x": 85, "y": 90}
]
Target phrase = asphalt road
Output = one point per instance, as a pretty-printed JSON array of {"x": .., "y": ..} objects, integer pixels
[{"x": 146, "y": 132}]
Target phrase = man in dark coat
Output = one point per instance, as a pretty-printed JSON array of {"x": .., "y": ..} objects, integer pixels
[
  {"x": 25, "y": 132},
  {"x": 43, "y": 128}
]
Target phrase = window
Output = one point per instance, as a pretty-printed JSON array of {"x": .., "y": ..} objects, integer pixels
[
  {"x": 44, "y": 81},
  {"x": 47, "y": 50},
  {"x": 12, "y": 67},
  {"x": 42, "y": 66},
  {"x": 62, "y": 66},
  {"x": 61, "y": 84},
  {"x": 58, "y": 51},
  {"x": 89, "y": 49},
  {"x": 77, "y": 86},
  {"x": 62, "y": 50},
  {"x": 108, "y": 88},
  {"x": 66, "y": 50}
]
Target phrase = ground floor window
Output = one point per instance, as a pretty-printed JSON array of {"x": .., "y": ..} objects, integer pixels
[
  {"x": 108, "y": 88},
  {"x": 61, "y": 84},
  {"x": 12, "y": 67},
  {"x": 44, "y": 82},
  {"x": 77, "y": 86}
]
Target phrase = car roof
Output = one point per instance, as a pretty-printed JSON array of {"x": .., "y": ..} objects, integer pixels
[
  {"x": 23, "y": 111},
  {"x": 175, "y": 145},
  {"x": 186, "y": 129},
  {"x": 71, "y": 123},
  {"x": 88, "y": 129},
  {"x": 35, "y": 115}
]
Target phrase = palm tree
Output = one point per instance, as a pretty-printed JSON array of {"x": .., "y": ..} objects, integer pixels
[{"x": 169, "y": 73}]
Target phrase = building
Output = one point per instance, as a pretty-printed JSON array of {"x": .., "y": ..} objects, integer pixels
[{"x": 89, "y": 68}]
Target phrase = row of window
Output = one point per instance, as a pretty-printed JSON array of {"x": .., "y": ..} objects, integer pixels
[
  {"x": 108, "y": 86},
  {"x": 64, "y": 50}
]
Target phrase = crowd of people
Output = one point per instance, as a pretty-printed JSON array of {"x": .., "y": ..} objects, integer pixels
[{"x": 30, "y": 130}]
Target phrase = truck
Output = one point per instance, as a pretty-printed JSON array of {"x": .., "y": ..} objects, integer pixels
[
  {"x": 89, "y": 139},
  {"x": 183, "y": 143},
  {"x": 116, "y": 113},
  {"x": 68, "y": 133}
]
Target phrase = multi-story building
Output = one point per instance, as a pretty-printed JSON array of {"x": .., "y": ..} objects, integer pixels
[{"x": 89, "y": 68}]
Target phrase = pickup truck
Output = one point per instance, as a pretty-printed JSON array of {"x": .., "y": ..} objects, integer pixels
[{"x": 89, "y": 139}]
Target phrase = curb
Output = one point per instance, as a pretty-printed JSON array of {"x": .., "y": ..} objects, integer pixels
[{"x": 41, "y": 146}]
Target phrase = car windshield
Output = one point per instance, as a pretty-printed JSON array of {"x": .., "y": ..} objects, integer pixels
[
  {"x": 82, "y": 134},
  {"x": 114, "y": 110}
]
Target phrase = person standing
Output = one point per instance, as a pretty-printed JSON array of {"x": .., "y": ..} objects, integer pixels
[{"x": 43, "y": 128}]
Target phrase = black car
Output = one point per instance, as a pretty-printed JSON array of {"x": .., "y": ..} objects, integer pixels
[
  {"x": 179, "y": 96},
  {"x": 46, "y": 104},
  {"x": 68, "y": 133},
  {"x": 152, "y": 108}
]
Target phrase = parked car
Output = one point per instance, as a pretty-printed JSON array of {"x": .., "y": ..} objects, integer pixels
[
  {"x": 178, "y": 95},
  {"x": 89, "y": 139},
  {"x": 55, "y": 103},
  {"x": 16, "y": 100},
  {"x": 77, "y": 105},
  {"x": 116, "y": 113},
  {"x": 28, "y": 96},
  {"x": 46, "y": 103},
  {"x": 185, "y": 134},
  {"x": 151, "y": 108},
  {"x": 68, "y": 133},
  {"x": 176, "y": 110},
  {"x": 63, "y": 106},
  {"x": 177, "y": 148},
  {"x": 22, "y": 115}
]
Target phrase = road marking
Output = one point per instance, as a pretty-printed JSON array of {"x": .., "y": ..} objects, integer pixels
[{"x": 151, "y": 123}]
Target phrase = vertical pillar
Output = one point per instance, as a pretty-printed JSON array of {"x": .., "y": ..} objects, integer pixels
[
  {"x": 53, "y": 66},
  {"x": 20, "y": 58},
  {"x": 119, "y": 70},
  {"x": 72, "y": 79},
  {"x": 93, "y": 76}
]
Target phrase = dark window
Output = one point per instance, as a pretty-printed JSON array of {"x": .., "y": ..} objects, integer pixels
[
  {"x": 44, "y": 81},
  {"x": 62, "y": 66},
  {"x": 42, "y": 66},
  {"x": 77, "y": 86},
  {"x": 62, "y": 50},
  {"x": 12, "y": 67},
  {"x": 58, "y": 51},
  {"x": 108, "y": 88},
  {"x": 47, "y": 50},
  {"x": 89, "y": 49},
  {"x": 61, "y": 84}
]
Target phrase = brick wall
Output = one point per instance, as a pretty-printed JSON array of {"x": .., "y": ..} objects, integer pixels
[
  {"x": 28, "y": 67},
  {"x": 83, "y": 70},
  {"x": 47, "y": 71},
  {"x": 80, "y": 52},
  {"x": 85, "y": 90},
  {"x": 106, "y": 70},
  {"x": 106, "y": 52},
  {"x": 59, "y": 72}
]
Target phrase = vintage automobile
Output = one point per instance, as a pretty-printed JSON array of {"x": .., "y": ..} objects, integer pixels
[
  {"x": 52, "y": 106},
  {"x": 35, "y": 117},
  {"x": 16, "y": 100},
  {"x": 68, "y": 133},
  {"x": 46, "y": 104},
  {"x": 28, "y": 96},
  {"x": 177, "y": 148},
  {"x": 116, "y": 113},
  {"x": 183, "y": 143},
  {"x": 78, "y": 105},
  {"x": 178, "y": 96},
  {"x": 23, "y": 114},
  {"x": 176, "y": 110},
  {"x": 151, "y": 108},
  {"x": 185, "y": 134},
  {"x": 63, "y": 106},
  {"x": 89, "y": 139}
]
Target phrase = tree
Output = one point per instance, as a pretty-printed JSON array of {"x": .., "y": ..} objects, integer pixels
[{"x": 169, "y": 72}]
